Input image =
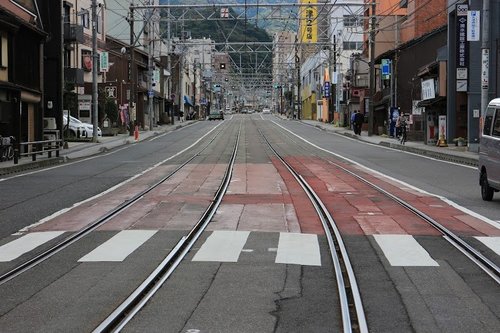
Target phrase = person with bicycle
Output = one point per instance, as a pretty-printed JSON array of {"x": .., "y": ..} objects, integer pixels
[{"x": 403, "y": 124}]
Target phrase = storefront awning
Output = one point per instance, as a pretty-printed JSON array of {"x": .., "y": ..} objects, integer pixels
[
  {"x": 432, "y": 101},
  {"x": 187, "y": 101}
]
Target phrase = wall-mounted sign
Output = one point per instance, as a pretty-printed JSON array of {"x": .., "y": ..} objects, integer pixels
[
  {"x": 462, "y": 48},
  {"x": 104, "y": 61},
  {"x": 428, "y": 89},
  {"x": 473, "y": 25},
  {"x": 386, "y": 69}
]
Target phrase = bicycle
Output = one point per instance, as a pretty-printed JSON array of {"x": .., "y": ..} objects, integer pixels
[
  {"x": 6, "y": 148},
  {"x": 403, "y": 138}
]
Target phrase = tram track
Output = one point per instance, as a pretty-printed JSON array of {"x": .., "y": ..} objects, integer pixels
[
  {"x": 351, "y": 305},
  {"x": 487, "y": 265},
  {"x": 71, "y": 239},
  {"x": 352, "y": 313},
  {"x": 117, "y": 320}
]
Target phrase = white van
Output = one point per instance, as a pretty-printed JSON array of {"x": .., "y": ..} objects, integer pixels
[{"x": 489, "y": 152}]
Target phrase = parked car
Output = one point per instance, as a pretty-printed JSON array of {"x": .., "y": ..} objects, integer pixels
[
  {"x": 77, "y": 129},
  {"x": 216, "y": 114},
  {"x": 489, "y": 152}
]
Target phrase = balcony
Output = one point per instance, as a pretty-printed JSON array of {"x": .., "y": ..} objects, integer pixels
[
  {"x": 73, "y": 75},
  {"x": 73, "y": 33}
]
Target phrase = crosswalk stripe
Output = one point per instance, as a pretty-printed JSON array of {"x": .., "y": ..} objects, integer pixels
[
  {"x": 492, "y": 242},
  {"x": 222, "y": 246},
  {"x": 299, "y": 249},
  {"x": 404, "y": 250},
  {"x": 119, "y": 247},
  {"x": 24, "y": 244}
]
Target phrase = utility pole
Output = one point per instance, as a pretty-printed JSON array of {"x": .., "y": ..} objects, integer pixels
[
  {"x": 169, "y": 65},
  {"x": 333, "y": 92},
  {"x": 485, "y": 57},
  {"x": 297, "y": 64},
  {"x": 150, "y": 70},
  {"x": 372, "y": 68},
  {"x": 131, "y": 71},
  {"x": 95, "y": 58}
]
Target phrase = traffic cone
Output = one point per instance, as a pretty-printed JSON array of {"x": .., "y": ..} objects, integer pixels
[{"x": 136, "y": 133}]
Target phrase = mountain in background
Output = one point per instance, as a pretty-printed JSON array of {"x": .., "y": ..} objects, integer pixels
[
  {"x": 232, "y": 31},
  {"x": 253, "y": 14}
]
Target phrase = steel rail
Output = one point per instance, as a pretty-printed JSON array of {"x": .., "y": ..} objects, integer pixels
[
  {"x": 474, "y": 255},
  {"x": 484, "y": 263},
  {"x": 347, "y": 292},
  {"x": 32, "y": 262},
  {"x": 117, "y": 320}
]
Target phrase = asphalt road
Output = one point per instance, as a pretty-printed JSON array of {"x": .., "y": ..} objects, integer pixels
[{"x": 242, "y": 275}]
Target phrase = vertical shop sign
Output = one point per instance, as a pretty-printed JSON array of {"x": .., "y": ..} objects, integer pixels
[
  {"x": 462, "y": 45},
  {"x": 309, "y": 22}
]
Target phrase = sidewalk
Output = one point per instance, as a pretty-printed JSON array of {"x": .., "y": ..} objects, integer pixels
[
  {"x": 451, "y": 153},
  {"x": 81, "y": 149}
]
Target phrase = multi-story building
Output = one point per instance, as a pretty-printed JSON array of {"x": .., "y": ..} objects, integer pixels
[
  {"x": 284, "y": 75},
  {"x": 139, "y": 29},
  {"x": 346, "y": 34},
  {"x": 22, "y": 103},
  {"x": 416, "y": 60}
]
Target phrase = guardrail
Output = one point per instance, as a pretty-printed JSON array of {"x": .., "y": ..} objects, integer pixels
[{"x": 37, "y": 148}]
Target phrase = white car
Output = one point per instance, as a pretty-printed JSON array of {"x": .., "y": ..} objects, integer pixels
[
  {"x": 79, "y": 129},
  {"x": 266, "y": 110}
]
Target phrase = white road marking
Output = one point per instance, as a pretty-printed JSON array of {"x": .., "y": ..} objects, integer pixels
[
  {"x": 26, "y": 243},
  {"x": 404, "y": 250},
  {"x": 495, "y": 224},
  {"x": 120, "y": 246},
  {"x": 222, "y": 246},
  {"x": 299, "y": 249},
  {"x": 492, "y": 242},
  {"x": 62, "y": 211}
]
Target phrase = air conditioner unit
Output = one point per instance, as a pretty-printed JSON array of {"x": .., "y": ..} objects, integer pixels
[{"x": 49, "y": 123}]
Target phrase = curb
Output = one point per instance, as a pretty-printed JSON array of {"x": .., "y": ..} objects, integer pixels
[
  {"x": 32, "y": 165},
  {"x": 429, "y": 153}
]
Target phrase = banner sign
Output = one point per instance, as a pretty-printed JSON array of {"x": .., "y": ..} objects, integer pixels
[{"x": 309, "y": 22}]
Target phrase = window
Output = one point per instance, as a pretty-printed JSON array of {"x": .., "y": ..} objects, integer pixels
[
  {"x": 85, "y": 18},
  {"x": 488, "y": 120},
  {"x": 99, "y": 24},
  {"x": 352, "y": 45},
  {"x": 496, "y": 125},
  {"x": 351, "y": 21}
]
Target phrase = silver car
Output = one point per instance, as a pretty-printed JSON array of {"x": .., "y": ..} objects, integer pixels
[
  {"x": 78, "y": 129},
  {"x": 489, "y": 152}
]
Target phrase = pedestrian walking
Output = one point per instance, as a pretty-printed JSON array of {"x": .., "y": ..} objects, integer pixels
[
  {"x": 353, "y": 121},
  {"x": 358, "y": 121},
  {"x": 398, "y": 126}
]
